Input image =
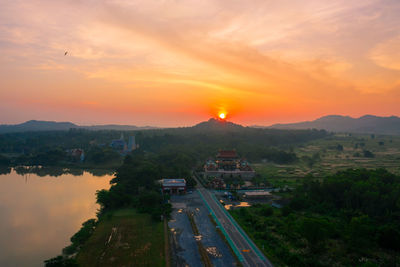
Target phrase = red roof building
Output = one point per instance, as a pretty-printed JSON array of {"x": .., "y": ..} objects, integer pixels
[{"x": 228, "y": 164}]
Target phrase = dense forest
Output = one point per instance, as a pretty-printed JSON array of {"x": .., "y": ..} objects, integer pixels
[
  {"x": 351, "y": 218},
  {"x": 49, "y": 148},
  {"x": 136, "y": 182}
]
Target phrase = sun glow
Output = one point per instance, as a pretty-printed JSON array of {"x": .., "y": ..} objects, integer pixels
[{"x": 222, "y": 116}]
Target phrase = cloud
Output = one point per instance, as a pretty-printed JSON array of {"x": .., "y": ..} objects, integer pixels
[
  {"x": 237, "y": 62},
  {"x": 168, "y": 54},
  {"x": 387, "y": 53}
]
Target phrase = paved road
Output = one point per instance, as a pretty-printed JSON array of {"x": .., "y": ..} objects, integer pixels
[
  {"x": 250, "y": 255},
  {"x": 185, "y": 249}
]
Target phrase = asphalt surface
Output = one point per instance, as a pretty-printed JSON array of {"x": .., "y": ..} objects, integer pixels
[
  {"x": 248, "y": 252},
  {"x": 185, "y": 250}
]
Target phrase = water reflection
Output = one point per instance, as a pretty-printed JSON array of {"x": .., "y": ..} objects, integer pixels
[
  {"x": 4, "y": 170},
  {"x": 40, "y": 214},
  {"x": 57, "y": 171}
]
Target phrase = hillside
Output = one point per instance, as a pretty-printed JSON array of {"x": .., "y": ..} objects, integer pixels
[
  {"x": 216, "y": 124},
  {"x": 336, "y": 123},
  {"x": 34, "y": 126}
]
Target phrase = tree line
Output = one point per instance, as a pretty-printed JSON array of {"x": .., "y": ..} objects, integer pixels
[
  {"x": 351, "y": 218},
  {"x": 49, "y": 148}
]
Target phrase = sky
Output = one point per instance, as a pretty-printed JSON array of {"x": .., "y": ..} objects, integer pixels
[{"x": 179, "y": 62}]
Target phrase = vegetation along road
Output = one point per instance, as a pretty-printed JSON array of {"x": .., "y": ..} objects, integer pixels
[{"x": 245, "y": 249}]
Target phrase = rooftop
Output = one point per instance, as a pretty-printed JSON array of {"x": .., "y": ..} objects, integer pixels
[{"x": 174, "y": 182}]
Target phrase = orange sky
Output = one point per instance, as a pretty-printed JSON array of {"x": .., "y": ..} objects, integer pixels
[{"x": 178, "y": 62}]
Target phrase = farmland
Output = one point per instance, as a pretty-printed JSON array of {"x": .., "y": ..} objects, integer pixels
[
  {"x": 123, "y": 238},
  {"x": 326, "y": 156}
]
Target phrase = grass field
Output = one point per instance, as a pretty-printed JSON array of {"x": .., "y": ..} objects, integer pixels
[
  {"x": 329, "y": 155},
  {"x": 125, "y": 238}
]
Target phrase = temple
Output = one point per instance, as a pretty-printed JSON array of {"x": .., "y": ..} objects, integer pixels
[
  {"x": 122, "y": 147},
  {"x": 228, "y": 164}
]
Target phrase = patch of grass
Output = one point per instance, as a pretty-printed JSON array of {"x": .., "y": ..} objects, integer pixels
[{"x": 124, "y": 238}]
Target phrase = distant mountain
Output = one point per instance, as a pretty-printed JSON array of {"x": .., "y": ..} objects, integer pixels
[
  {"x": 117, "y": 127},
  {"x": 337, "y": 123},
  {"x": 34, "y": 125},
  {"x": 217, "y": 125}
]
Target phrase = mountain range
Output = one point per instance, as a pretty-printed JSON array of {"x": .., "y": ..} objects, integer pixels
[
  {"x": 34, "y": 125},
  {"x": 336, "y": 123},
  {"x": 333, "y": 123}
]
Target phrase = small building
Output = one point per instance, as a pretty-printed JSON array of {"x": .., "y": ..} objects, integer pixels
[
  {"x": 122, "y": 147},
  {"x": 173, "y": 186}
]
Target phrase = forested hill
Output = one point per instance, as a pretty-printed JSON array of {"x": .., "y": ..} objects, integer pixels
[
  {"x": 217, "y": 125},
  {"x": 34, "y": 126},
  {"x": 200, "y": 141},
  {"x": 205, "y": 139},
  {"x": 335, "y": 123}
]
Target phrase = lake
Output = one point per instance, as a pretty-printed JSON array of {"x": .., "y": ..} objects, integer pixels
[{"x": 39, "y": 214}]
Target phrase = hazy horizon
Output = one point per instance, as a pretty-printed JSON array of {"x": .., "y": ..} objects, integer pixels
[
  {"x": 195, "y": 123},
  {"x": 171, "y": 63}
]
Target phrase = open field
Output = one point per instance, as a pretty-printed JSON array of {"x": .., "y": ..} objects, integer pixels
[
  {"x": 329, "y": 155},
  {"x": 125, "y": 238}
]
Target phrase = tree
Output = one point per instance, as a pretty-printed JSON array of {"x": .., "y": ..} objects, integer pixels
[
  {"x": 60, "y": 261},
  {"x": 103, "y": 198},
  {"x": 368, "y": 154},
  {"x": 266, "y": 210},
  {"x": 361, "y": 232},
  {"x": 4, "y": 161},
  {"x": 190, "y": 181},
  {"x": 389, "y": 237},
  {"x": 315, "y": 231}
]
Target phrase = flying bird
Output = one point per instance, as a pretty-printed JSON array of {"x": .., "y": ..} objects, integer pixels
[{"x": 66, "y": 52}]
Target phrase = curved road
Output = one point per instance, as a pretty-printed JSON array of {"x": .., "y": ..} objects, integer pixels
[{"x": 244, "y": 247}]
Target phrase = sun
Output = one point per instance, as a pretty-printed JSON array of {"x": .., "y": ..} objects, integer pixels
[{"x": 222, "y": 116}]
